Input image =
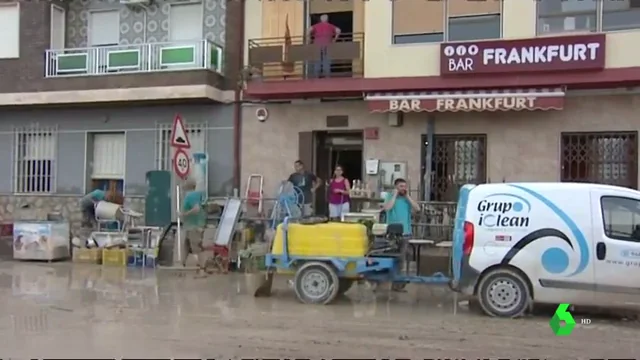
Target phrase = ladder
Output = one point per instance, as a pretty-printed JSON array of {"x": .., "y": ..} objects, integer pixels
[{"x": 255, "y": 196}]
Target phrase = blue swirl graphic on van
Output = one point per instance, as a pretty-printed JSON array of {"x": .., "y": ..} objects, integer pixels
[
  {"x": 555, "y": 260},
  {"x": 509, "y": 211}
]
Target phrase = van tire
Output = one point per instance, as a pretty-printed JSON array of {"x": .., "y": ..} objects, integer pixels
[{"x": 504, "y": 292}]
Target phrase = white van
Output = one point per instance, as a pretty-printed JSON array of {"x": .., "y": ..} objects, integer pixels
[{"x": 520, "y": 243}]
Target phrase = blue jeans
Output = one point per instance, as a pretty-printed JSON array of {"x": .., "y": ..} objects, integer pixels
[{"x": 323, "y": 66}]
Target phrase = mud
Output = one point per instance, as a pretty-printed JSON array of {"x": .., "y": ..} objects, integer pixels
[{"x": 65, "y": 310}]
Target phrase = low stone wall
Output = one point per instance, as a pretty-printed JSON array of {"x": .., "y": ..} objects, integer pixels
[{"x": 15, "y": 208}]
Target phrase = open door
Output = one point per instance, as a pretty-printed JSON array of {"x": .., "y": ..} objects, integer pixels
[
  {"x": 283, "y": 22},
  {"x": 323, "y": 171},
  {"x": 306, "y": 147}
]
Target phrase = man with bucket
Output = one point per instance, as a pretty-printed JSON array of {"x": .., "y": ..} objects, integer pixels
[
  {"x": 194, "y": 219},
  {"x": 89, "y": 202}
]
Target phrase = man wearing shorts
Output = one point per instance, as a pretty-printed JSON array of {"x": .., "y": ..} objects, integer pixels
[
  {"x": 308, "y": 183},
  {"x": 194, "y": 219}
]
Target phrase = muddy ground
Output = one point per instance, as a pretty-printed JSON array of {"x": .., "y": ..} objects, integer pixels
[{"x": 65, "y": 310}]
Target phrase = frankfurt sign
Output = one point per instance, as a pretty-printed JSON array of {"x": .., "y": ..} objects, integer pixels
[
  {"x": 541, "y": 54},
  {"x": 480, "y": 103}
]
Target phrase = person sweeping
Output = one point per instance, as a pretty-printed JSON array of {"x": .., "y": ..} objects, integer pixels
[{"x": 194, "y": 219}]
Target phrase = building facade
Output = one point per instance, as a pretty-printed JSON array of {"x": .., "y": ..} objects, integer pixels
[
  {"x": 469, "y": 92},
  {"x": 91, "y": 88}
]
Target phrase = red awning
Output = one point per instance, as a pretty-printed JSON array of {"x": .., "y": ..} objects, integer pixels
[{"x": 467, "y": 101}]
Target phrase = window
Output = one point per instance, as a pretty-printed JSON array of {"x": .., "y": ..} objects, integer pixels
[
  {"x": 478, "y": 27},
  {"x": 620, "y": 14},
  {"x": 185, "y": 21},
  {"x": 34, "y": 160},
  {"x": 621, "y": 218},
  {"x": 567, "y": 16},
  {"x": 466, "y": 20},
  {"x": 456, "y": 160},
  {"x": 109, "y": 161},
  {"x": 104, "y": 27},
  {"x": 9, "y": 31},
  {"x": 604, "y": 158},
  {"x": 417, "y": 21},
  {"x": 197, "y": 137}
]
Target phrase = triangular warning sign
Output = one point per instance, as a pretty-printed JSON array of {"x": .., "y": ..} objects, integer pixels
[{"x": 179, "y": 138}]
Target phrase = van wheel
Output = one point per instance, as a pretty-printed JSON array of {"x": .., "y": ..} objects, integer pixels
[
  {"x": 316, "y": 283},
  {"x": 504, "y": 293}
]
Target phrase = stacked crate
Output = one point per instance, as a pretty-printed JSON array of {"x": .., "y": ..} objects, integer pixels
[{"x": 87, "y": 256}]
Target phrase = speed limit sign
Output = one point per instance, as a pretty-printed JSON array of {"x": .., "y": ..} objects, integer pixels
[{"x": 181, "y": 163}]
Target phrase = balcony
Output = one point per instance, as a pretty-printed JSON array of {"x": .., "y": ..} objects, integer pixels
[
  {"x": 137, "y": 58},
  {"x": 295, "y": 58}
]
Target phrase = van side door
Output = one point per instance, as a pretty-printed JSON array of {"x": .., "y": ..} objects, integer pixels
[{"x": 616, "y": 234}]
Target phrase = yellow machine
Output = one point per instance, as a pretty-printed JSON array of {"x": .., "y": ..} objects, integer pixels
[
  {"x": 346, "y": 241},
  {"x": 340, "y": 240}
]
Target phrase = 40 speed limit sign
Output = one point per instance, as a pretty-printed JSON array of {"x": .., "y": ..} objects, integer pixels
[{"x": 181, "y": 163}]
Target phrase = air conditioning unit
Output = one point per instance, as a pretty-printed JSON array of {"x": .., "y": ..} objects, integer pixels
[{"x": 135, "y": 2}]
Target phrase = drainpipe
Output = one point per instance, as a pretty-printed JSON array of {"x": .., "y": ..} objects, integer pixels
[{"x": 237, "y": 103}]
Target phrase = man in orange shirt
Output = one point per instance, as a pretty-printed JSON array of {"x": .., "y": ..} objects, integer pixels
[{"x": 323, "y": 33}]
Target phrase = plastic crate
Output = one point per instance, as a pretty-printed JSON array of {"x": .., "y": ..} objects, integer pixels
[
  {"x": 115, "y": 257},
  {"x": 87, "y": 256},
  {"x": 139, "y": 258},
  {"x": 150, "y": 261},
  {"x": 135, "y": 258}
]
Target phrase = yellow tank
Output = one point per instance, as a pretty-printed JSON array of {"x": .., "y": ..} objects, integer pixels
[{"x": 326, "y": 239}]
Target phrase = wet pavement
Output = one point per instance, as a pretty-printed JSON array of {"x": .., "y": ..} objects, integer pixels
[{"x": 65, "y": 310}]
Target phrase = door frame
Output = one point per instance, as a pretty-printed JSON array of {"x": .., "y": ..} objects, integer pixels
[
  {"x": 64, "y": 26},
  {"x": 604, "y": 292}
]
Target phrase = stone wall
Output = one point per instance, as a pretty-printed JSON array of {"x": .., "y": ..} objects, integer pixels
[{"x": 13, "y": 208}]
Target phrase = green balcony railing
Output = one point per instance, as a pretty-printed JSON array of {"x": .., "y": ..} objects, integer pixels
[{"x": 152, "y": 57}]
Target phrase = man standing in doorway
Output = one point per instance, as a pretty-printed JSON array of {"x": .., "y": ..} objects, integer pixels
[
  {"x": 308, "y": 183},
  {"x": 323, "y": 33}
]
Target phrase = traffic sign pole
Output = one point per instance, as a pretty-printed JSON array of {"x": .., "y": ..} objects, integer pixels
[{"x": 181, "y": 166}]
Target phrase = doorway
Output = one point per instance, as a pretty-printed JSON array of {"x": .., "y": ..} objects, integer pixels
[
  {"x": 336, "y": 148},
  {"x": 344, "y": 21}
]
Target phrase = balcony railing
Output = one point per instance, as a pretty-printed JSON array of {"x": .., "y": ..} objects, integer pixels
[
  {"x": 137, "y": 58},
  {"x": 298, "y": 58}
]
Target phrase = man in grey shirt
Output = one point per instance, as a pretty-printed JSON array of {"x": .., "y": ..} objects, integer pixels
[{"x": 308, "y": 184}]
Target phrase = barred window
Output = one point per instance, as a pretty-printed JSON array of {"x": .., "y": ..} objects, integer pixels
[
  {"x": 604, "y": 158},
  {"x": 457, "y": 160},
  {"x": 34, "y": 160}
]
